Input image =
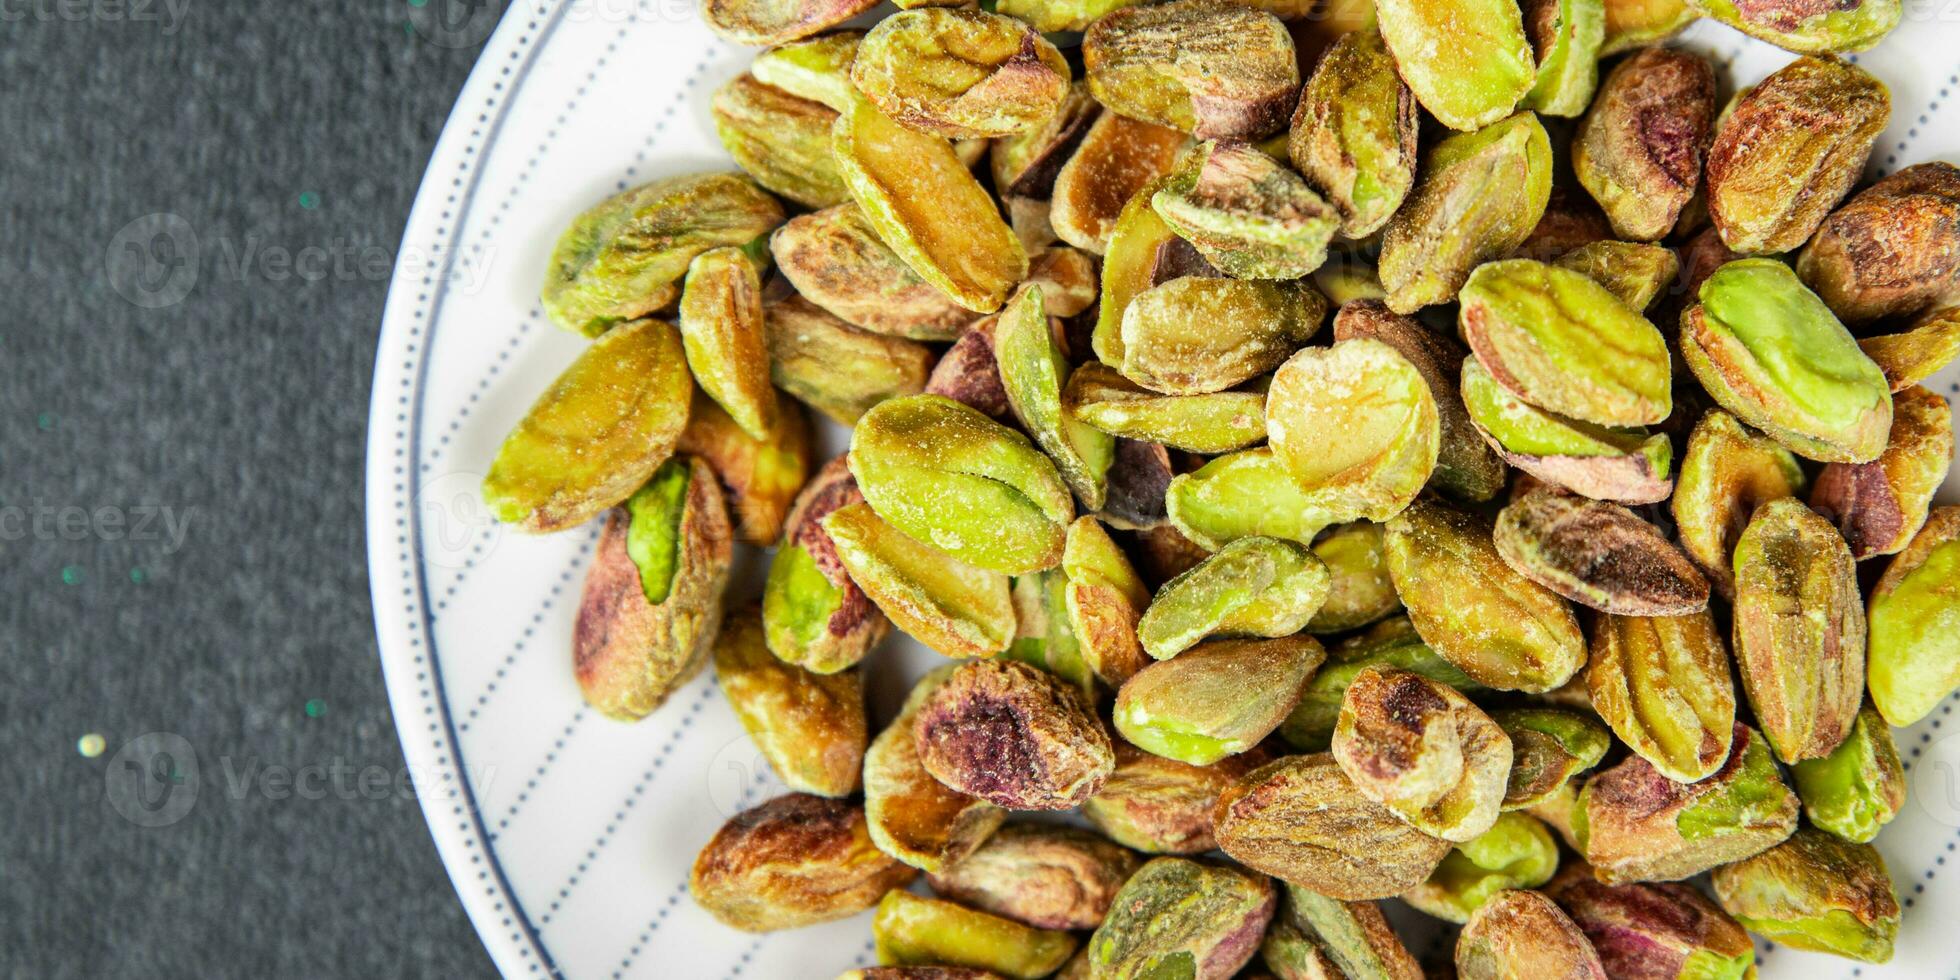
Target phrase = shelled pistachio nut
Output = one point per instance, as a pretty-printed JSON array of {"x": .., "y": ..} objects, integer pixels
[{"x": 793, "y": 861}]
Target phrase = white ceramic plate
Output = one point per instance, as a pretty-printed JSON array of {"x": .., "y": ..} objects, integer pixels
[{"x": 569, "y": 836}]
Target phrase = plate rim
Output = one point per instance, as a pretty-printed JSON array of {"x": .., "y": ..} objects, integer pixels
[{"x": 402, "y": 620}]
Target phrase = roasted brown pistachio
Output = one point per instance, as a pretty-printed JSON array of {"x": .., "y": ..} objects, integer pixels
[
  {"x": 1799, "y": 629},
  {"x": 1138, "y": 480},
  {"x": 776, "y": 21},
  {"x": 960, "y": 73},
  {"x": 1480, "y": 195},
  {"x": 809, "y": 726},
  {"x": 1466, "y": 467},
  {"x": 911, "y": 930},
  {"x": 1045, "y": 876},
  {"x": 1516, "y": 852},
  {"x": 1423, "y": 751},
  {"x": 835, "y": 260},
  {"x": 969, "y": 373},
  {"x": 922, "y": 973},
  {"x": 652, "y": 601},
  {"x": 1185, "y": 918},
  {"x": 1067, "y": 277},
  {"x": 1025, "y": 165},
  {"x": 1357, "y": 426},
  {"x": 815, "y": 68},
  {"x": 1102, "y": 600},
  {"x": 1502, "y": 629},
  {"x": 1571, "y": 220},
  {"x": 1014, "y": 735},
  {"x": 1563, "y": 342},
  {"x": 1860, "y": 787},
  {"x": 1767, "y": 349},
  {"x": 1845, "y": 26},
  {"x": 794, "y": 861},
  {"x": 1391, "y": 643},
  {"x": 597, "y": 434},
  {"x": 1549, "y": 747},
  {"x": 1727, "y": 472},
  {"x": 1468, "y": 61},
  {"x": 1251, "y": 587},
  {"x": 1634, "y": 824},
  {"x": 1633, "y": 23},
  {"x": 1597, "y": 554},
  {"x": 1915, "y": 623},
  {"x": 914, "y": 817},
  {"x": 1891, "y": 250},
  {"x": 1216, "y": 700},
  {"x": 1117, "y": 158},
  {"x": 949, "y": 476},
  {"x": 918, "y": 195},
  {"x": 1788, "y": 150},
  {"x": 1032, "y": 370},
  {"x": 1658, "y": 930},
  {"x": 1359, "y": 591},
  {"x": 722, "y": 334},
  {"x": 1878, "y": 506},
  {"x": 836, "y": 368},
  {"x": 1354, "y": 132},
  {"x": 1662, "y": 684},
  {"x": 1522, "y": 935},
  {"x": 780, "y": 140},
  {"x": 1623, "y": 464},
  {"x": 761, "y": 475},
  {"x": 1324, "y": 938},
  {"x": 1634, "y": 272},
  {"x": 813, "y": 615},
  {"x": 1163, "y": 806},
  {"x": 1301, "y": 819},
  {"x": 1246, "y": 213},
  {"x": 624, "y": 258},
  {"x": 1815, "y": 891},
  {"x": 1212, "y": 69},
  {"x": 1198, "y": 334},
  {"x": 1920, "y": 351},
  {"x": 1639, "y": 149}
]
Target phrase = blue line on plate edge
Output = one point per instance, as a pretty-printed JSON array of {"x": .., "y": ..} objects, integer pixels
[{"x": 527, "y": 932}]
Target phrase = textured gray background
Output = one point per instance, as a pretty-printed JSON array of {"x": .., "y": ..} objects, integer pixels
[{"x": 269, "y": 128}]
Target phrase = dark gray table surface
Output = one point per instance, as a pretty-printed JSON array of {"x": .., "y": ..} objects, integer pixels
[{"x": 181, "y": 544}]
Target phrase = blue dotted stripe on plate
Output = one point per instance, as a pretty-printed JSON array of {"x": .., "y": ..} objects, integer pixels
[
  {"x": 632, "y": 800},
  {"x": 490, "y": 874},
  {"x": 530, "y": 630},
  {"x": 674, "y": 899},
  {"x": 639, "y": 158},
  {"x": 1912, "y": 132},
  {"x": 531, "y": 785}
]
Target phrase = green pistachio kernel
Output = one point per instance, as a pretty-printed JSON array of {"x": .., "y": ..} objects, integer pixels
[
  {"x": 1250, "y": 587},
  {"x": 1860, "y": 786},
  {"x": 1480, "y": 196}
]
